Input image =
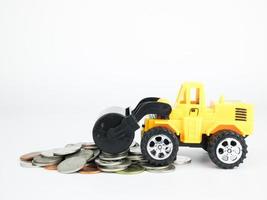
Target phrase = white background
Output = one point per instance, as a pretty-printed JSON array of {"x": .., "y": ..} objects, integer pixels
[{"x": 62, "y": 62}]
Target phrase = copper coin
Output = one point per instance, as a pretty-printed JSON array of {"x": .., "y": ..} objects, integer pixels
[
  {"x": 87, "y": 144},
  {"x": 90, "y": 169},
  {"x": 29, "y": 156},
  {"x": 51, "y": 167},
  {"x": 91, "y": 147}
]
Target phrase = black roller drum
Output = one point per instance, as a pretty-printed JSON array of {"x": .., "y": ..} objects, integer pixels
[{"x": 112, "y": 134}]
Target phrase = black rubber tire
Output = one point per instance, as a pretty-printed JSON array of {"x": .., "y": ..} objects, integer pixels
[
  {"x": 216, "y": 139},
  {"x": 156, "y": 131},
  {"x": 204, "y": 144}
]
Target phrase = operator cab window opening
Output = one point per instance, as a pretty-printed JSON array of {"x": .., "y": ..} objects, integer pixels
[
  {"x": 194, "y": 96},
  {"x": 182, "y": 98}
]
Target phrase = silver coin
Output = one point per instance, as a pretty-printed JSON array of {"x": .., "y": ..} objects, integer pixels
[
  {"x": 49, "y": 153},
  {"x": 170, "y": 168},
  {"x": 125, "y": 163},
  {"x": 75, "y": 145},
  {"x": 110, "y": 158},
  {"x": 107, "y": 163},
  {"x": 84, "y": 145},
  {"x": 110, "y": 170},
  {"x": 96, "y": 154},
  {"x": 115, "y": 154},
  {"x": 69, "y": 145},
  {"x": 27, "y": 164},
  {"x": 67, "y": 150},
  {"x": 182, "y": 160},
  {"x": 136, "y": 150},
  {"x": 134, "y": 162},
  {"x": 151, "y": 167},
  {"x": 132, "y": 169},
  {"x": 71, "y": 165},
  {"x": 42, "y": 164},
  {"x": 142, "y": 162},
  {"x": 46, "y": 160},
  {"x": 135, "y": 157},
  {"x": 87, "y": 154},
  {"x": 135, "y": 144}
]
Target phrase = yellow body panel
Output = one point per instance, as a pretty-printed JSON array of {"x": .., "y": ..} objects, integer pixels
[{"x": 191, "y": 118}]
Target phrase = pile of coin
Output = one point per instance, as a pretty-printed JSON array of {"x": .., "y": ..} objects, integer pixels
[
  {"x": 86, "y": 158},
  {"x": 113, "y": 162},
  {"x": 69, "y": 159}
]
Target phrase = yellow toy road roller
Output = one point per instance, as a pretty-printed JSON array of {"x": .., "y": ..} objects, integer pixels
[{"x": 220, "y": 128}]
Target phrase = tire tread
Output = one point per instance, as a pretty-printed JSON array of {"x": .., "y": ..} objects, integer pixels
[{"x": 214, "y": 141}]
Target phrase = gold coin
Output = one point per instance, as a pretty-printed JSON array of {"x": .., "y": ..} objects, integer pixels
[
  {"x": 90, "y": 169},
  {"x": 29, "y": 156},
  {"x": 51, "y": 167}
]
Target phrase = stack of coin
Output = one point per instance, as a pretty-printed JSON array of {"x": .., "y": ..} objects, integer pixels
[
  {"x": 42, "y": 161},
  {"x": 113, "y": 162},
  {"x": 135, "y": 155},
  {"x": 69, "y": 159},
  {"x": 26, "y": 159},
  {"x": 86, "y": 158}
]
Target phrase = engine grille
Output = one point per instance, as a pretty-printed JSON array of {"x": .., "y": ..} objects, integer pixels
[{"x": 241, "y": 114}]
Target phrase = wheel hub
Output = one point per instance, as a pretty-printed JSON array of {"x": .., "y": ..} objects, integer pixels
[
  {"x": 229, "y": 150},
  {"x": 159, "y": 147}
]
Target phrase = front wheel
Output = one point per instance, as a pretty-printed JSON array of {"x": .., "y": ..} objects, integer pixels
[
  {"x": 159, "y": 146},
  {"x": 227, "y": 149}
]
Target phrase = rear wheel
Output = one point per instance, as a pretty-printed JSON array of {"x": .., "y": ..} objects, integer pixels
[
  {"x": 159, "y": 146},
  {"x": 227, "y": 149}
]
